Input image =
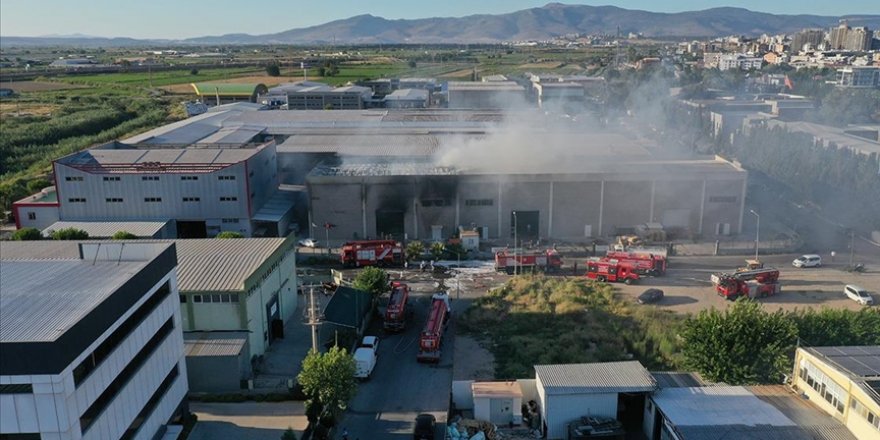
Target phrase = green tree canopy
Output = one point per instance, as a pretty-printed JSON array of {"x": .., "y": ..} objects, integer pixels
[
  {"x": 742, "y": 345},
  {"x": 273, "y": 70},
  {"x": 27, "y": 234},
  {"x": 437, "y": 249},
  {"x": 328, "y": 378},
  {"x": 70, "y": 234},
  {"x": 229, "y": 234},
  {"x": 373, "y": 280},
  {"x": 414, "y": 250},
  {"x": 288, "y": 434},
  {"x": 124, "y": 235}
]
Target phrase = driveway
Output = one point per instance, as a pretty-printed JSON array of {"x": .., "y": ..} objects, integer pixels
[{"x": 247, "y": 420}]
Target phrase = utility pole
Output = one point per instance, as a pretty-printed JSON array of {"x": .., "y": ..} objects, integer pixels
[
  {"x": 757, "y": 231},
  {"x": 313, "y": 319},
  {"x": 515, "y": 260}
]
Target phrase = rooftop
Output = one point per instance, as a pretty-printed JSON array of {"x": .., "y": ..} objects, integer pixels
[
  {"x": 227, "y": 89},
  {"x": 407, "y": 94},
  {"x": 497, "y": 389},
  {"x": 116, "y": 157},
  {"x": 107, "y": 229},
  {"x": 485, "y": 86},
  {"x": 47, "y": 195},
  {"x": 41, "y": 299},
  {"x": 860, "y": 363},
  {"x": 207, "y": 344},
  {"x": 604, "y": 377}
]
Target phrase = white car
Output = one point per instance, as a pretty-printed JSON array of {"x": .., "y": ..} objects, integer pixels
[
  {"x": 858, "y": 294},
  {"x": 371, "y": 342},
  {"x": 308, "y": 242},
  {"x": 810, "y": 260}
]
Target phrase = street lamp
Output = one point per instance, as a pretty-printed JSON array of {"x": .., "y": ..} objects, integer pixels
[
  {"x": 515, "y": 261},
  {"x": 757, "y": 231}
]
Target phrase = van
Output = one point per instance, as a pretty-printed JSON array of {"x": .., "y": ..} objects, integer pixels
[
  {"x": 809, "y": 260},
  {"x": 858, "y": 294},
  {"x": 364, "y": 361}
]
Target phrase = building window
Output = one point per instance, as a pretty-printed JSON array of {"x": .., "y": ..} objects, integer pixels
[
  {"x": 189, "y": 177},
  {"x": 230, "y": 220},
  {"x": 191, "y": 199},
  {"x": 77, "y": 200},
  {"x": 228, "y": 199},
  {"x": 88, "y": 417},
  {"x": 865, "y": 413},
  {"x": 197, "y": 298},
  {"x": 478, "y": 202},
  {"x": 111, "y": 178},
  {"x": 113, "y": 200},
  {"x": 151, "y": 404},
  {"x": 824, "y": 385},
  {"x": 216, "y": 298},
  {"x": 24, "y": 388},
  {"x": 183, "y": 299},
  {"x": 32, "y": 216},
  {"x": 150, "y": 178},
  {"x": 74, "y": 178},
  {"x": 225, "y": 177},
  {"x": 152, "y": 199},
  {"x": 722, "y": 199}
]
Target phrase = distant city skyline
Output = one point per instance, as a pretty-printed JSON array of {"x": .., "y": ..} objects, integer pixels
[{"x": 167, "y": 19}]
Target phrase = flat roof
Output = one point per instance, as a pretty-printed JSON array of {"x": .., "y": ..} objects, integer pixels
[
  {"x": 107, "y": 229},
  {"x": 600, "y": 377},
  {"x": 407, "y": 94},
  {"x": 46, "y": 195},
  {"x": 41, "y": 299},
  {"x": 122, "y": 158},
  {"x": 497, "y": 389},
  {"x": 819, "y": 424},
  {"x": 489, "y": 86},
  {"x": 859, "y": 362}
]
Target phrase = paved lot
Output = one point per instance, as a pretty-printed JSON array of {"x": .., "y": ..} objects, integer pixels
[{"x": 247, "y": 420}]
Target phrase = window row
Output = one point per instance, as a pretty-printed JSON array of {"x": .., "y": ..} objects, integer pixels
[
  {"x": 436, "y": 202},
  {"x": 865, "y": 413},
  {"x": 478, "y": 202},
  {"x": 824, "y": 385},
  {"x": 144, "y": 178},
  {"x": 216, "y": 298}
]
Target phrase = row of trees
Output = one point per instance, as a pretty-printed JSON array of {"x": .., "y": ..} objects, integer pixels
[
  {"x": 748, "y": 345},
  {"x": 415, "y": 250}
]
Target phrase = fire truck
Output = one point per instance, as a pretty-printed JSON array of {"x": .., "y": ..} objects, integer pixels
[
  {"x": 372, "y": 253},
  {"x": 526, "y": 261},
  {"x": 395, "y": 314},
  {"x": 646, "y": 262},
  {"x": 756, "y": 283},
  {"x": 611, "y": 270},
  {"x": 432, "y": 335}
]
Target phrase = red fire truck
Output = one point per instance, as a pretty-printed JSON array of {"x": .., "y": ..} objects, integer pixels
[
  {"x": 432, "y": 336},
  {"x": 756, "y": 283},
  {"x": 611, "y": 270},
  {"x": 395, "y": 314},
  {"x": 646, "y": 262},
  {"x": 372, "y": 253},
  {"x": 526, "y": 261}
]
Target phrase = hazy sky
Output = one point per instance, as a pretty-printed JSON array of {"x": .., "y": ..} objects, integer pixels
[{"x": 190, "y": 18}]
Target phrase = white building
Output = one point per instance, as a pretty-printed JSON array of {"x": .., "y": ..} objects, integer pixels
[
  {"x": 859, "y": 77},
  {"x": 739, "y": 61},
  {"x": 91, "y": 346}
]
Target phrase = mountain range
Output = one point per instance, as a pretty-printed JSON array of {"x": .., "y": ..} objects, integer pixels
[{"x": 540, "y": 23}]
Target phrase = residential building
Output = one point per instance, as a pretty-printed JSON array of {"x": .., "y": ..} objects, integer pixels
[
  {"x": 91, "y": 342},
  {"x": 863, "y": 77},
  {"x": 844, "y": 382},
  {"x": 204, "y": 189},
  {"x": 843, "y": 37},
  {"x": 739, "y": 62},
  {"x": 811, "y": 37}
]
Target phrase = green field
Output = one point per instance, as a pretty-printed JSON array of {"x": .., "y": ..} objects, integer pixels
[{"x": 165, "y": 78}]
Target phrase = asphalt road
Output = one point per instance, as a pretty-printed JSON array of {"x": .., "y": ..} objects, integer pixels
[{"x": 400, "y": 388}]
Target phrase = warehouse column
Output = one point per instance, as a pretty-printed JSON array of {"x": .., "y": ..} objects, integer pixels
[
  {"x": 742, "y": 206},
  {"x": 457, "y": 210},
  {"x": 550, "y": 213},
  {"x": 363, "y": 209},
  {"x": 499, "y": 209},
  {"x": 651, "y": 211},
  {"x": 415, "y": 218},
  {"x": 601, "y": 206}
]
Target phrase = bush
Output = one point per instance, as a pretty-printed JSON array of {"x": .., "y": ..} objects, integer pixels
[
  {"x": 414, "y": 250},
  {"x": 124, "y": 235},
  {"x": 194, "y": 72},
  {"x": 273, "y": 70},
  {"x": 229, "y": 234},
  {"x": 372, "y": 279},
  {"x": 288, "y": 434},
  {"x": 70, "y": 234},
  {"x": 27, "y": 234}
]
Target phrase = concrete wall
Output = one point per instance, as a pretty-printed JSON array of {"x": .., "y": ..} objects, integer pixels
[
  {"x": 276, "y": 277},
  {"x": 218, "y": 373},
  {"x": 564, "y": 409},
  {"x": 44, "y": 215}
]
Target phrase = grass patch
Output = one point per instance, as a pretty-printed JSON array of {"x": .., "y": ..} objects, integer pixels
[
  {"x": 535, "y": 319},
  {"x": 164, "y": 78}
]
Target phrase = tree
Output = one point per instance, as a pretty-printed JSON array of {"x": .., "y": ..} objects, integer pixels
[
  {"x": 411, "y": 64},
  {"x": 373, "y": 280},
  {"x": 837, "y": 326},
  {"x": 26, "y": 234},
  {"x": 273, "y": 69},
  {"x": 70, "y": 234},
  {"x": 742, "y": 345},
  {"x": 328, "y": 378},
  {"x": 456, "y": 250},
  {"x": 288, "y": 434},
  {"x": 414, "y": 250},
  {"x": 229, "y": 234},
  {"x": 194, "y": 72},
  {"x": 124, "y": 235},
  {"x": 437, "y": 249}
]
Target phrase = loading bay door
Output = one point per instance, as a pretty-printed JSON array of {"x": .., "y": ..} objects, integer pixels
[{"x": 526, "y": 224}]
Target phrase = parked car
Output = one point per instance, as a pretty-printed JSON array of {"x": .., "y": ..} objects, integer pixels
[
  {"x": 308, "y": 242},
  {"x": 371, "y": 342},
  {"x": 858, "y": 294},
  {"x": 809, "y": 260},
  {"x": 425, "y": 427},
  {"x": 650, "y": 296},
  {"x": 364, "y": 361}
]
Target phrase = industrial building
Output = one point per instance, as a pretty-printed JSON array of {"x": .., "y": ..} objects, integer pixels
[
  {"x": 859, "y": 77},
  {"x": 38, "y": 211},
  {"x": 318, "y": 96},
  {"x": 91, "y": 342},
  {"x": 420, "y": 200},
  {"x": 155, "y": 230},
  {"x": 224, "y": 93},
  {"x": 484, "y": 95},
  {"x": 407, "y": 98},
  {"x": 844, "y": 382},
  {"x": 558, "y": 92},
  {"x": 205, "y": 189}
]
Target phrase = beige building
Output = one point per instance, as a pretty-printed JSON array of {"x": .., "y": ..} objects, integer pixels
[{"x": 844, "y": 382}]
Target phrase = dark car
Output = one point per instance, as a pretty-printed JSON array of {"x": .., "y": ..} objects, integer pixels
[
  {"x": 650, "y": 295},
  {"x": 425, "y": 426}
]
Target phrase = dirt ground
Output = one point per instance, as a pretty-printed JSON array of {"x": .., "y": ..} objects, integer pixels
[
  {"x": 547, "y": 65},
  {"x": 12, "y": 109},
  {"x": 461, "y": 73},
  {"x": 38, "y": 86}
]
